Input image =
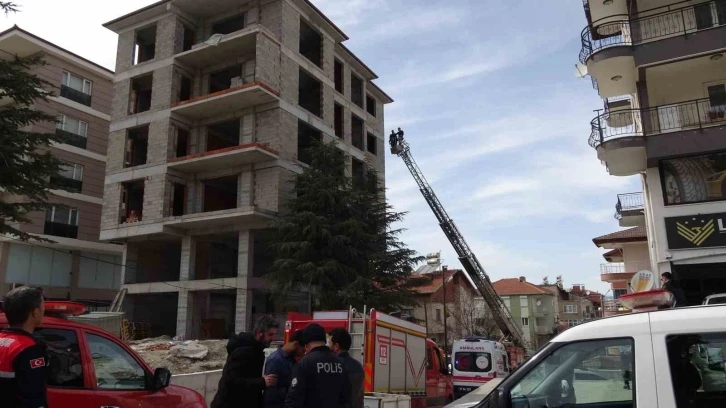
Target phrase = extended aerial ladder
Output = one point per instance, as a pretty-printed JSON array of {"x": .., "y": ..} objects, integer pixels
[{"x": 468, "y": 260}]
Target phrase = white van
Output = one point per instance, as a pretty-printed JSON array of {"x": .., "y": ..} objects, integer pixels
[
  {"x": 661, "y": 359},
  {"x": 476, "y": 361}
]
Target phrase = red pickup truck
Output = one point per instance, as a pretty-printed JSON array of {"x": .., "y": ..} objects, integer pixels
[{"x": 91, "y": 368}]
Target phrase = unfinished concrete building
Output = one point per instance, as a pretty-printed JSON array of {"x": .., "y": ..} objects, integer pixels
[{"x": 214, "y": 105}]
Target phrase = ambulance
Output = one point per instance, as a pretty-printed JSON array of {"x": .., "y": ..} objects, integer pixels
[
  {"x": 476, "y": 361},
  {"x": 396, "y": 355}
]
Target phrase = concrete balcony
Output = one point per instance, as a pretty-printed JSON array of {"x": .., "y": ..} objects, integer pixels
[
  {"x": 629, "y": 210},
  {"x": 223, "y": 158},
  {"x": 249, "y": 217},
  {"x": 622, "y": 271},
  {"x": 226, "y": 101},
  {"x": 613, "y": 45},
  {"x": 220, "y": 47},
  {"x": 620, "y": 136}
]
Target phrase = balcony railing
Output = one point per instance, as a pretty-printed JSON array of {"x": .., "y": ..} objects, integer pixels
[
  {"x": 624, "y": 267},
  {"x": 695, "y": 114},
  {"x": 75, "y": 95},
  {"x": 68, "y": 184},
  {"x": 626, "y": 32},
  {"x": 628, "y": 202},
  {"x": 60, "y": 230},
  {"x": 72, "y": 139}
]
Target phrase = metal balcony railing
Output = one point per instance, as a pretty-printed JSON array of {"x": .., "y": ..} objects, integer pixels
[
  {"x": 67, "y": 184},
  {"x": 72, "y": 139},
  {"x": 60, "y": 230},
  {"x": 627, "y": 31},
  {"x": 75, "y": 95},
  {"x": 624, "y": 267},
  {"x": 693, "y": 114},
  {"x": 628, "y": 202}
]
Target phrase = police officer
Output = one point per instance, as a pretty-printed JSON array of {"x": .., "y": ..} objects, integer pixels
[
  {"x": 319, "y": 379},
  {"x": 22, "y": 359}
]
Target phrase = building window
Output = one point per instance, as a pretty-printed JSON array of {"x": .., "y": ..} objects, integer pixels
[
  {"x": 311, "y": 43},
  {"x": 132, "y": 202},
  {"x": 73, "y": 130},
  {"x": 310, "y": 93},
  {"x": 306, "y": 136},
  {"x": 358, "y": 171},
  {"x": 356, "y": 89},
  {"x": 230, "y": 77},
  {"x": 371, "y": 105},
  {"x": 525, "y": 321},
  {"x": 177, "y": 205},
  {"x": 438, "y": 315},
  {"x": 76, "y": 88},
  {"x": 182, "y": 141},
  {"x": 137, "y": 142},
  {"x": 145, "y": 46},
  {"x": 61, "y": 222},
  {"x": 185, "y": 89},
  {"x": 570, "y": 308},
  {"x": 338, "y": 119},
  {"x": 223, "y": 135},
  {"x": 190, "y": 38},
  {"x": 358, "y": 129},
  {"x": 220, "y": 193},
  {"x": 338, "y": 68},
  {"x": 372, "y": 144},
  {"x": 69, "y": 178},
  {"x": 229, "y": 25},
  {"x": 619, "y": 292},
  {"x": 141, "y": 94},
  {"x": 694, "y": 179}
]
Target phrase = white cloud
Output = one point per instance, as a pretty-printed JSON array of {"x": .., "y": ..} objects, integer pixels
[{"x": 350, "y": 13}]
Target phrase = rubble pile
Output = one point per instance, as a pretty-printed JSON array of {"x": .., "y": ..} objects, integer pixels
[{"x": 182, "y": 357}]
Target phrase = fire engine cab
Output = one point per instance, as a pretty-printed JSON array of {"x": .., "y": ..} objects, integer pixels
[{"x": 396, "y": 355}]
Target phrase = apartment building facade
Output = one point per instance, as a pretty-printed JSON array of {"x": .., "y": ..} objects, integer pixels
[
  {"x": 532, "y": 307},
  {"x": 570, "y": 307},
  {"x": 214, "y": 106},
  {"x": 659, "y": 67},
  {"x": 75, "y": 265}
]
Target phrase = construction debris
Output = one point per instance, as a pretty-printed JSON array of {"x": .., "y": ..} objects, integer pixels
[{"x": 182, "y": 357}]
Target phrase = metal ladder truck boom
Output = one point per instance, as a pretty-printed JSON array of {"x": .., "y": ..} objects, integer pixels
[{"x": 468, "y": 260}]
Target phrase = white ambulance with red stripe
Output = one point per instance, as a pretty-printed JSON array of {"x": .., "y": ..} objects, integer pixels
[
  {"x": 396, "y": 355},
  {"x": 476, "y": 361}
]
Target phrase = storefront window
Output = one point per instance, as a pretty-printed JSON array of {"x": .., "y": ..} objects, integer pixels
[{"x": 694, "y": 179}]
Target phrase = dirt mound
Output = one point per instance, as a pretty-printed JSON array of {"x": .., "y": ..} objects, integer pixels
[{"x": 157, "y": 352}]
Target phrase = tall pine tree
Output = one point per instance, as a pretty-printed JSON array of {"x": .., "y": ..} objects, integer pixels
[
  {"x": 337, "y": 240},
  {"x": 26, "y": 164}
]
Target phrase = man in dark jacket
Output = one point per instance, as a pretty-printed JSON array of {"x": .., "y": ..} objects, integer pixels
[
  {"x": 667, "y": 283},
  {"x": 340, "y": 342},
  {"x": 280, "y": 363},
  {"x": 242, "y": 381},
  {"x": 318, "y": 379}
]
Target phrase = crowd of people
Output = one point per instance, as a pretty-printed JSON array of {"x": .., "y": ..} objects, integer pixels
[{"x": 304, "y": 372}]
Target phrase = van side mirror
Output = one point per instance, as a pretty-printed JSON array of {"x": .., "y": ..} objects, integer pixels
[{"x": 162, "y": 378}]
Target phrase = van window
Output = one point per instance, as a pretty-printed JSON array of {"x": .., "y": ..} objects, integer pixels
[
  {"x": 472, "y": 362},
  {"x": 581, "y": 374},
  {"x": 697, "y": 369},
  {"x": 115, "y": 368},
  {"x": 64, "y": 357}
]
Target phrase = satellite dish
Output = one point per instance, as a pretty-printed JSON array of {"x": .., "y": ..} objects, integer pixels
[
  {"x": 642, "y": 281},
  {"x": 539, "y": 302},
  {"x": 587, "y": 293},
  {"x": 580, "y": 70}
]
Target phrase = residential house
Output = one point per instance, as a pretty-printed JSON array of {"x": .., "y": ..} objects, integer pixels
[{"x": 532, "y": 307}]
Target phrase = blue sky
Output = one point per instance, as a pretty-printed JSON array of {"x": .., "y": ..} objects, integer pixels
[{"x": 486, "y": 93}]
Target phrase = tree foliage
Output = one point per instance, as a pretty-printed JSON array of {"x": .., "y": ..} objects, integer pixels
[
  {"x": 26, "y": 164},
  {"x": 336, "y": 239}
]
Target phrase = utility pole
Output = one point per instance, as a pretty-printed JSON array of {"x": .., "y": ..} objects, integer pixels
[{"x": 446, "y": 330}]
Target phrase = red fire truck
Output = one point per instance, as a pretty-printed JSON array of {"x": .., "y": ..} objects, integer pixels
[{"x": 396, "y": 355}]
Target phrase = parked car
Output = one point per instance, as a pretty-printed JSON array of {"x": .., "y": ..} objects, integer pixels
[
  {"x": 665, "y": 358},
  {"x": 91, "y": 368},
  {"x": 717, "y": 299}
]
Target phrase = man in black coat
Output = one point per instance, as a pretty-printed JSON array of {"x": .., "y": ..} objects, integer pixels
[
  {"x": 318, "y": 379},
  {"x": 242, "y": 382},
  {"x": 667, "y": 283},
  {"x": 340, "y": 342}
]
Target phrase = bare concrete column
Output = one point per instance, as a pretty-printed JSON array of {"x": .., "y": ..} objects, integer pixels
[
  {"x": 243, "y": 308},
  {"x": 129, "y": 261},
  {"x": 184, "y": 314},
  {"x": 245, "y": 185},
  {"x": 247, "y": 128},
  {"x": 188, "y": 258}
]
